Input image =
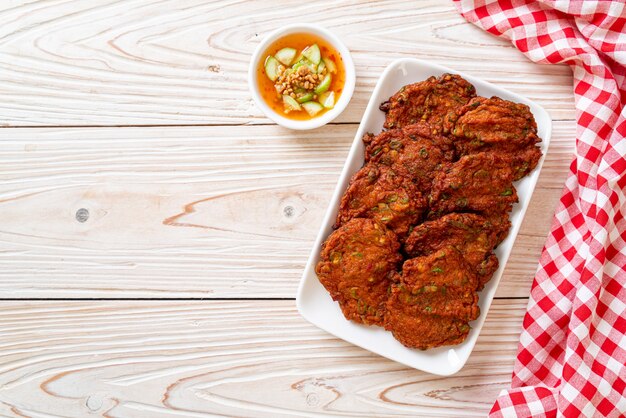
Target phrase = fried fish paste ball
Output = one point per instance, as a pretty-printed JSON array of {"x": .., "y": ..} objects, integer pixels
[
  {"x": 422, "y": 331},
  {"x": 356, "y": 263},
  {"x": 413, "y": 152},
  {"x": 377, "y": 192},
  {"x": 480, "y": 182},
  {"x": 434, "y": 100},
  {"x": 494, "y": 122},
  {"x": 473, "y": 235}
]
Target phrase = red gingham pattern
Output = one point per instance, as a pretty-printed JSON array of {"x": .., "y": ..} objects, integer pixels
[{"x": 572, "y": 352}]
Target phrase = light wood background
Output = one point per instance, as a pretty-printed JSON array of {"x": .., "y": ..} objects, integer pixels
[{"x": 175, "y": 297}]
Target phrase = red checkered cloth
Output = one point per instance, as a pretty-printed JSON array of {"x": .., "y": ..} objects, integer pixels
[{"x": 572, "y": 352}]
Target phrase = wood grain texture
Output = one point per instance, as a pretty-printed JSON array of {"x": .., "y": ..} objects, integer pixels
[
  {"x": 191, "y": 212},
  {"x": 143, "y": 62},
  {"x": 236, "y": 359},
  {"x": 226, "y": 210}
]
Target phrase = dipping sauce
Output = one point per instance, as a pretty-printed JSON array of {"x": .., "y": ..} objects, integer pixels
[{"x": 301, "y": 76}]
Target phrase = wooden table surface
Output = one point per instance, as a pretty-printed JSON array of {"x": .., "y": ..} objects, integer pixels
[{"x": 154, "y": 224}]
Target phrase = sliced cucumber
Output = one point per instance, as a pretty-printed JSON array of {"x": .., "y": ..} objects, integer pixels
[
  {"x": 330, "y": 65},
  {"x": 321, "y": 67},
  {"x": 304, "y": 62},
  {"x": 313, "y": 54},
  {"x": 299, "y": 58},
  {"x": 271, "y": 68},
  {"x": 324, "y": 85},
  {"x": 312, "y": 108},
  {"x": 327, "y": 99},
  {"x": 286, "y": 55},
  {"x": 290, "y": 104},
  {"x": 305, "y": 98}
]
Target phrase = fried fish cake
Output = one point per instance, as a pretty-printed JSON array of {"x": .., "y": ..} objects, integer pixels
[
  {"x": 473, "y": 235},
  {"x": 486, "y": 269},
  {"x": 413, "y": 152},
  {"x": 377, "y": 192},
  {"x": 501, "y": 223},
  {"x": 446, "y": 270},
  {"x": 434, "y": 100},
  {"x": 422, "y": 331},
  {"x": 524, "y": 160},
  {"x": 500, "y": 126},
  {"x": 356, "y": 263},
  {"x": 433, "y": 300},
  {"x": 441, "y": 283},
  {"x": 494, "y": 122},
  {"x": 480, "y": 182}
]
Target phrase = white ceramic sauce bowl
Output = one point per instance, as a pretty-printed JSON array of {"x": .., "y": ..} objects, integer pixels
[{"x": 346, "y": 94}]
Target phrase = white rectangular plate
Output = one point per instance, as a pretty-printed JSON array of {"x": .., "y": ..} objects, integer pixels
[{"x": 314, "y": 302}]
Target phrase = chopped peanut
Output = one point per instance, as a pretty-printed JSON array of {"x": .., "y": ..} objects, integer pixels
[{"x": 303, "y": 78}]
